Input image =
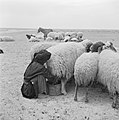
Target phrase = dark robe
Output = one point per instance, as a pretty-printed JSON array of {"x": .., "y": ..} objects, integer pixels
[{"x": 37, "y": 73}]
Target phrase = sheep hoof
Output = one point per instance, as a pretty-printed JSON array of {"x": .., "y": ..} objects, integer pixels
[
  {"x": 86, "y": 101},
  {"x": 114, "y": 105},
  {"x": 64, "y": 93},
  {"x": 75, "y": 99}
]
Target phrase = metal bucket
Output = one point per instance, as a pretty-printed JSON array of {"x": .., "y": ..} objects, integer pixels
[{"x": 54, "y": 90}]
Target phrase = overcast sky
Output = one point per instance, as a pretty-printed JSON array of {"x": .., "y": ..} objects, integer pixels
[{"x": 63, "y": 14}]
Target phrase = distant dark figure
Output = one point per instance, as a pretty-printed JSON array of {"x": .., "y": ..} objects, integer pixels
[
  {"x": 1, "y": 51},
  {"x": 29, "y": 36},
  {"x": 95, "y": 46},
  {"x": 36, "y": 73},
  {"x": 45, "y": 31}
]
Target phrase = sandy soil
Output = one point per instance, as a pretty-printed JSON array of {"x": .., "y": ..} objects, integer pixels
[{"x": 14, "y": 107}]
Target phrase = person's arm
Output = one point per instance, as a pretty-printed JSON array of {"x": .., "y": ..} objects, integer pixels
[{"x": 46, "y": 73}]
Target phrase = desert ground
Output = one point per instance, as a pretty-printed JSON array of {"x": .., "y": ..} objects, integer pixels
[{"x": 13, "y": 106}]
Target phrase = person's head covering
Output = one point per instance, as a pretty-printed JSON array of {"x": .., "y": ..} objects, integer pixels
[{"x": 42, "y": 56}]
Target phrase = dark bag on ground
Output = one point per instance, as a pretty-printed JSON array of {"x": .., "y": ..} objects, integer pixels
[{"x": 27, "y": 90}]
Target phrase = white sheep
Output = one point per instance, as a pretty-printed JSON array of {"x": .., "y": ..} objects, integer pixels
[
  {"x": 51, "y": 35},
  {"x": 49, "y": 38},
  {"x": 6, "y": 39},
  {"x": 67, "y": 38},
  {"x": 63, "y": 57},
  {"x": 62, "y": 33},
  {"x": 40, "y": 46},
  {"x": 67, "y": 33},
  {"x": 71, "y": 34},
  {"x": 59, "y": 36},
  {"x": 85, "y": 71},
  {"x": 34, "y": 39},
  {"x": 80, "y": 36},
  {"x": 56, "y": 35},
  {"x": 73, "y": 40},
  {"x": 108, "y": 73},
  {"x": 40, "y": 35}
]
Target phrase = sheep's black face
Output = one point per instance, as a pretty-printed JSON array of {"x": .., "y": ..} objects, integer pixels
[
  {"x": 88, "y": 47},
  {"x": 56, "y": 38},
  {"x": 81, "y": 36}
]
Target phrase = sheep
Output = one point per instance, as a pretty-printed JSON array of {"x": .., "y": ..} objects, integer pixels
[
  {"x": 40, "y": 46},
  {"x": 80, "y": 36},
  {"x": 34, "y": 39},
  {"x": 40, "y": 35},
  {"x": 73, "y": 40},
  {"x": 87, "y": 44},
  {"x": 66, "y": 38},
  {"x": 108, "y": 73},
  {"x": 110, "y": 45},
  {"x": 62, "y": 33},
  {"x": 29, "y": 36},
  {"x": 49, "y": 38},
  {"x": 51, "y": 34},
  {"x": 63, "y": 57},
  {"x": 58, "y": 36},
  {"x": 73, "y": 35},
  {"x": 6, "y": 39},
  {"x": 85, "y": 71},
  {"x": 69, "y": 36},
  {"x": 55, "y": 35}
]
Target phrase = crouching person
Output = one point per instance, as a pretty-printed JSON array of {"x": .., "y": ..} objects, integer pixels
[{"x": 36, "y": 73}]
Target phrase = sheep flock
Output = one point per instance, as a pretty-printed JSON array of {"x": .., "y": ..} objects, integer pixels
[
  {"x": 84, "y": 60},
  {"x": 56, "y": 36}
]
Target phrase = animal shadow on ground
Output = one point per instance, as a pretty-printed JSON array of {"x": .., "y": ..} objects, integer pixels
[
  {"x": 97, "y": 93},
  {"x": 96, "y": 96}
]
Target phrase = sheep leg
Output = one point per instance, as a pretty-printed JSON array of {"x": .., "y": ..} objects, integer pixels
[
  {"x": 103, "y": 89},
  {"x": 76, "y": 89},
  {"x": 86, "y": 95},
  {"x": 87, "y": 92},
  {"x": 115, "y": 102},
  {"x": 63, "y": 89}
]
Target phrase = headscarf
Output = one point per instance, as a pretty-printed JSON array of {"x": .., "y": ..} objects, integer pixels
[{"x": 42, "y": 56}]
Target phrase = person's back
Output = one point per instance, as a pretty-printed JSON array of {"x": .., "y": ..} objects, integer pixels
[{"x": 37, "y": 73}]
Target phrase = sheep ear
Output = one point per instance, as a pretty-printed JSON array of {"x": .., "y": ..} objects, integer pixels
[{"x": 99, "y": 50}]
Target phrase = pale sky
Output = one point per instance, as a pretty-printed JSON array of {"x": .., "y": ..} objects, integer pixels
[{"x": 63, "y": 14}]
